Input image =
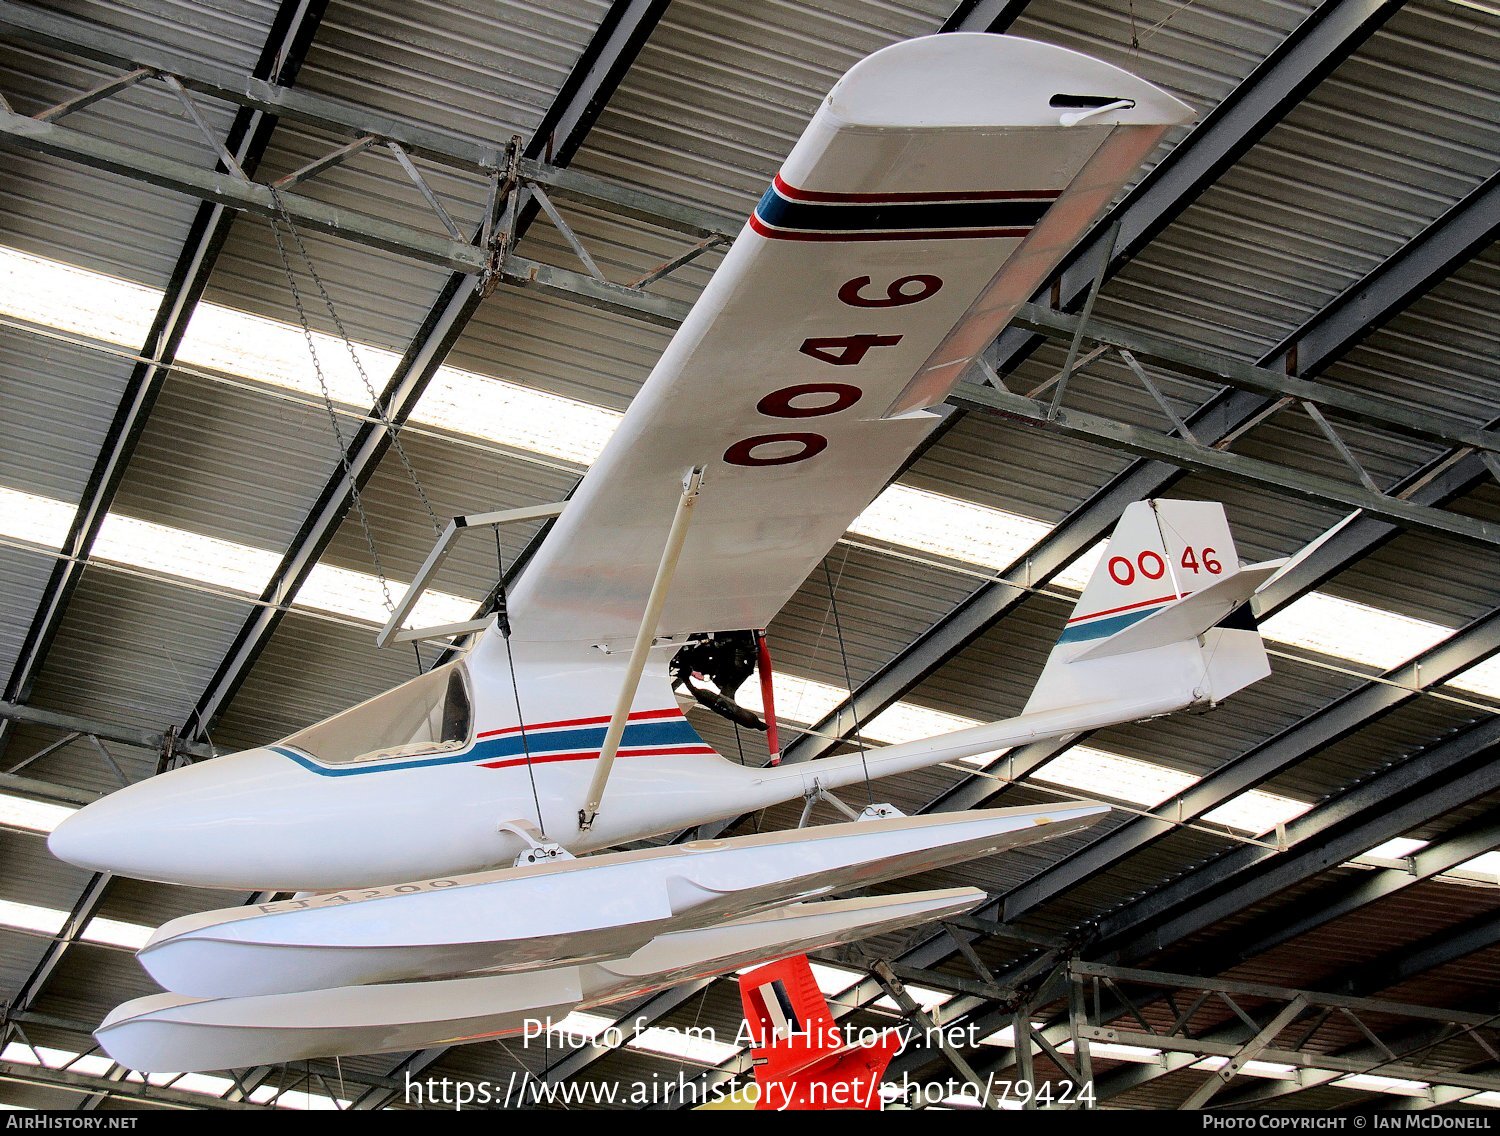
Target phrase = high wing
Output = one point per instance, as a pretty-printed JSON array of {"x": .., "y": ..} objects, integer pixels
[{"x": 936, "y": 187}]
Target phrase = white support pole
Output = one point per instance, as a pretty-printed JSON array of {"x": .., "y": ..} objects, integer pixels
[
  {"x": 392, "y": 631},
  {"x": 643, "y": 638}
]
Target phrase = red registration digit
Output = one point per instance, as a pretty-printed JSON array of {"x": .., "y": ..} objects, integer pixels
[{"x": 896, "y": 295}]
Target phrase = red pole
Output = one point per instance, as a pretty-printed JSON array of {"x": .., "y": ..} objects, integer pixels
[{"x": 768, "y": 696}]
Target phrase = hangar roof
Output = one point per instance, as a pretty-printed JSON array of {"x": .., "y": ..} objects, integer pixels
[{"x": 177, "y": 553}]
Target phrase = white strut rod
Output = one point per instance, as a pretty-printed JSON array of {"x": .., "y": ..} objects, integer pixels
[{"x": 643, "y": 638}]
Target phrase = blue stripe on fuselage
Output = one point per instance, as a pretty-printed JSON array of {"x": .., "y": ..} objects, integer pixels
[
  {"x": 674, "y": 732},
  {"x": 1100, "y": 628}
]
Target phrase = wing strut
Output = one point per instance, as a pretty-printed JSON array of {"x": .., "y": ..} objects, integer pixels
[
  {"x": 767, "y": 695},
  {"x": 643, "y": 638}
]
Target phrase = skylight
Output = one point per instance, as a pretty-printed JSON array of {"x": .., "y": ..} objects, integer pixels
[
  {"x": 309, "y": 1102},
  {"x": 946, "y": 526},
  {"x": 264, "y": 350},
  {"x": 94, "y": 1064},
  {"x": 1373, "y": 1082},
  {"x": 177, "y": 552},
  {"x": 1397, "y": 849},
  {"x": 1348, "y": 630},
  {"x": 684, "y": 1045},
  {"x": 1112, "y": 776},
  {"x": 35, "y": 816},
  {"x": 1485, "y": 865},
  {"x": 33, "y": 518},
  {"x": 1273, "y": 1070},
  {"x": 29, "y": 917},
  {"x": 583, "y": 1026},
  {"x": 115, "y": 933},
  {"x": 236, "y": 567},
  {"x": 908, "y": 722},
  {"x": 192, "y": 1083},
  {"x": 1112, "y": 1051},
  {"x": 59, "y": 295},
  {"x": 797, "y": 699},
  {"x": 1257, "y": 811},
  {"x": 1481, "y": 679},
  {"x": 51, "y": 921}
]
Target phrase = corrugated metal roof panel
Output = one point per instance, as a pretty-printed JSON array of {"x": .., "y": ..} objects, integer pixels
[
  {"x": 23, "y": 575},
  {"x": 59, "y": 400},
  {"x": 136, "y": 651},
  {"x": 100, "y": 220},
  {"x": 230, "y": 463},
  {"x": 33, "y": 876},
  {"x": 471, "y": 69},
  {"x": 719, "y": 94}
]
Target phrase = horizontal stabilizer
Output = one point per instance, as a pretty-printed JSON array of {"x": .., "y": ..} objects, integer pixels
[{"x": 1188, "y": 617}]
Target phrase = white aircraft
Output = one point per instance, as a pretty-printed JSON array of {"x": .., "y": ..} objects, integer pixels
[{"x": 938, "y": 185}]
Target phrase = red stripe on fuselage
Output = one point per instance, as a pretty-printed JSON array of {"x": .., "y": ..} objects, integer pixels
[
  {"x": 1126, "y": 607},
  {"x": 602, "y": 719},
  {"x": 590, "y": 755}
]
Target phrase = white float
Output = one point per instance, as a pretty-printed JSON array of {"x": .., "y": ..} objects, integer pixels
[
  {"x": 537, "y": 916},
  {"x": 170, "y": 1033}
]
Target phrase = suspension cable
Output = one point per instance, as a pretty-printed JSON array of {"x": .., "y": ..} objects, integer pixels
[
  {"x": 355, "y": 497},
  {"x": 393, "y": 431},
  {"x": 838, "y": 630}
]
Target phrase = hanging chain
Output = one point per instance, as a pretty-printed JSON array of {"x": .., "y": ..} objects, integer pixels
[
  {"x": 354, "y": 495},
  {"x": 393, "y": 431}
]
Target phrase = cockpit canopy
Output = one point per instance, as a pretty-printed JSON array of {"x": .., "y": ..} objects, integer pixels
[{"x": 429, "y": 714}]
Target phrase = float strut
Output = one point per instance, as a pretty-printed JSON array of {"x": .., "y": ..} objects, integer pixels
[{"x": 643, "y": 639}]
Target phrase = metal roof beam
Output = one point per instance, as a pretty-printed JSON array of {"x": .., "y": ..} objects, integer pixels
[
  {"x": 1195, "y": 457},
  {"x": 1210, "y": 366},
  {"x": 249, "y": 135},
  {"x": 1361, "y": 706},
  {"x": 445, "y": 322},
  {"x": 110, "y": 732},
  {"x": 226, "y": 190},
  {"x": 1385, "y": 805},
  {"x": 1384, "y": 973},
  {"x": 81, "y": 39},
  {"x": 1439, "y": 949},
  {"x": 1332, "y": 33},
  {"x": 1281, "y": 926},
  {"x": 993, "y": 16},
  {"x": 1427, "y": 785},
  {"x": 1357, "y": 986},
  {"x": 86, "y": 1084},
  {"x": 1426, "y": 259}
]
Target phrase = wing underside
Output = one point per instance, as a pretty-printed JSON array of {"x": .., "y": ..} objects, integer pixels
[{"x": 933, "y": 192}]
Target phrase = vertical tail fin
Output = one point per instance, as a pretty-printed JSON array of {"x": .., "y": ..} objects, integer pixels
[
  {"x": 1160, "y": 552},
  {"x": 1143, "y": 631}
]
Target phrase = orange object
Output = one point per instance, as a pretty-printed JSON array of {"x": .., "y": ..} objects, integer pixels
[{"x": 802, "y": 1059}]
